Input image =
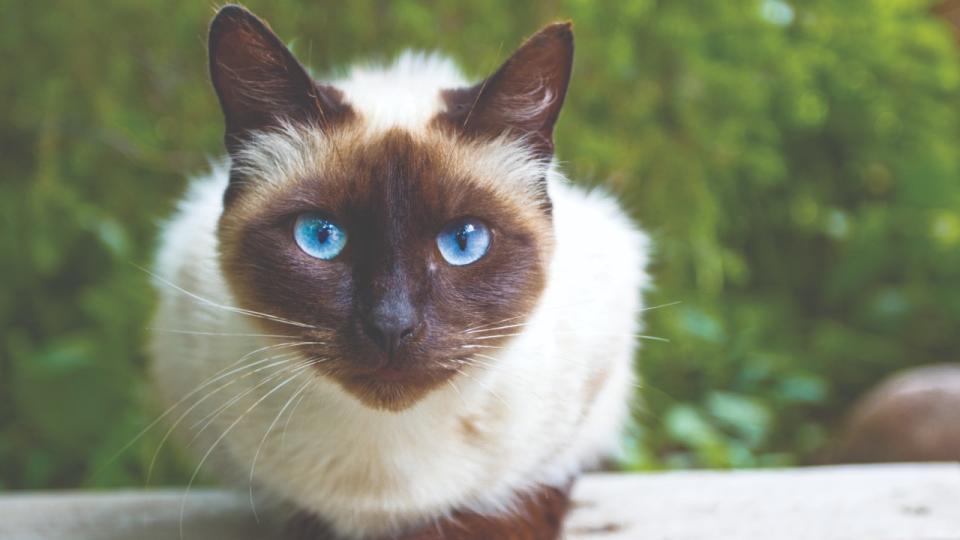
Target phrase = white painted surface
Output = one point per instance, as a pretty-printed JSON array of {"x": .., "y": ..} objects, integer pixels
[{"x": 888, "y": 502}]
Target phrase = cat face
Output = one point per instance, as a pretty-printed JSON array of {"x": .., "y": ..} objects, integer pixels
[{"x": 398, "y": 250}]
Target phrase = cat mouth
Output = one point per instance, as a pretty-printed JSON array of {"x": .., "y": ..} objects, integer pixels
[
  {"x": 398, "y": 375},
  {"x": 389, "y": 387},
  {"x": 381, "y": 383},
  {"x": 390, "y": 374}
]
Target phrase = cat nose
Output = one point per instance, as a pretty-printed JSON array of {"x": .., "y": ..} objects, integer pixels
[{"x": 390, "y": 324}]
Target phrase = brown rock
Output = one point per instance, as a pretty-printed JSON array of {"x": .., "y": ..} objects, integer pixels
[{"x": 913, "y": 415}]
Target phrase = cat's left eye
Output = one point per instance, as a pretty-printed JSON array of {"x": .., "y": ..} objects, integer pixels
[
  {"x": 463, "y": 241},
  {"x": 319, "y": 237}
]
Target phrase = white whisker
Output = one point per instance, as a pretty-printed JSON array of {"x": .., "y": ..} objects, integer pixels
[
  {"x": 485, "y": 327},
  {"x": 494, "y": 364},
  {"x": 506, "y": 327},
  {"x": 474, "y": 328},
  {"x": 225, "y": 334},
  {"x": 659, "y": 306},
  {"x": 497, "y": 336},
  {"x": 173, "y": 427},
  {"x": 209, "y": 418},
  {"x": 193, "y": 477},
  {"x": 231, "y": 309},
  {"x": 256, "y": 455},
  {"x": 457, "y": 390},
  {"x": 484, "y": 387},
  {"x": 286, "y": 423},
  {"x": 213, "y": 378}
]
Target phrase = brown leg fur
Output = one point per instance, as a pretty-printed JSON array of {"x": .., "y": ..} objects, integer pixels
[{"x": 539, "y": 517}]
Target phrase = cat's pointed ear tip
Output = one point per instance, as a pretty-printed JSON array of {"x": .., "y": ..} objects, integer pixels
[
  {"x": 560, "y": 29},
  {"x": 229, "y": 11},
  {"x": 557, "y": 36},
  {"x": 232, "y": 22},
  {"x": 231, "y": 14}
]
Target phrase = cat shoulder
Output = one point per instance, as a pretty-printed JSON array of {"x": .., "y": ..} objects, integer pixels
[{"x": 190, "y": 232}]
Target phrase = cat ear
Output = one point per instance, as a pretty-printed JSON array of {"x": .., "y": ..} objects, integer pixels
[
  {"x": 524, "y": 96},
  {"x": 259, "y": 82}
]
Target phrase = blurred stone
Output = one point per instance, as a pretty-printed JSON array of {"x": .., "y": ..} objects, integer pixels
[
  {"x": 914, "y": 415},
  {"x": 950, "y": 10}
]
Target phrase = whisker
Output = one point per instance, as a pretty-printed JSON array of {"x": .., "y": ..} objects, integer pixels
[
  {"x": 615, "y": 334},
  {"x": 286, "y": 423},
  {"x": 289, "y": 344},
  {"x": 457, "y": 390},
  {"x": 225, "y": 406},
  {"x": 213, "y": 378},
  {"x": 495, "y": 364},
  {"x": 508, "y": 319},
  {"x": 498, "y": 336},
  {"x": 256, "y": 455},
  {"x": 209, "y": 418},
  {"x": 659, "y": 306},
  {"x": 548, "y": 309},
  {"x": 173, "y": 427},
  {"x": 652, "y": 338},
  {"x": 233, "y": 309},
  {"x": 484, "y": 387},
  {"x": 507, "y": 327},
  {"x": 576, "y": 332},
  {"x": 193, "y": 477},
  {"x": 477, "y": 328},
  {"x": 226, "y": 334}
]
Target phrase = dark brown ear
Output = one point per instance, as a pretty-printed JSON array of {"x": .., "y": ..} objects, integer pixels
[
  {"x": 524, "y": 96},
  {"x": 259, "y": 82}
]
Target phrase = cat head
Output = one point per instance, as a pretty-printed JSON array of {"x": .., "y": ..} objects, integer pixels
[{"x": 402, "y": 221}]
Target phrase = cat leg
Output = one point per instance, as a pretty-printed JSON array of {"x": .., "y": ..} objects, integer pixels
[
  {"x": 306, "y": 526},
  {"x": 538, "y": 515}
]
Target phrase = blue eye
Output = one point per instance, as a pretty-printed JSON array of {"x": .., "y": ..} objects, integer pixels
[
  {"x": 463, "y": 241},
  {"x": 319, "y": 237}
]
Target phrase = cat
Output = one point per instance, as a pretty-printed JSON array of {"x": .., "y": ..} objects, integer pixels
[{"x": 388, "y": 312}]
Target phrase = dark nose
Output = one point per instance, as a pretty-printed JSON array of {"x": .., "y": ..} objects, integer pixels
[{"x": 390, "y": 323}]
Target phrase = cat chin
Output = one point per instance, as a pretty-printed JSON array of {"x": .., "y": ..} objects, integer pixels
[{"x": 390, "y": 394}]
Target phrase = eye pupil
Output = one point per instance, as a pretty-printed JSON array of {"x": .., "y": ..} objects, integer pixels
[
  {"x": 323, "y": 235},
  {"x": 462, "y": 239}
]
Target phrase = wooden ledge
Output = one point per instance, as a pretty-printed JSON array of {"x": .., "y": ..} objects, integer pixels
[{"x": 881, "y": 502}]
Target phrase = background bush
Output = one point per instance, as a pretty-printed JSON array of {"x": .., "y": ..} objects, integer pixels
[{"x": 797, "y": 164}]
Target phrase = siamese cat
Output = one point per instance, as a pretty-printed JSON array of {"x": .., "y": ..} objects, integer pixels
[{"x": 389, "y": 313}]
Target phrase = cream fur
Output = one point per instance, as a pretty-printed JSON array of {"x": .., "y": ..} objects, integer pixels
[{"x": 368, "y": 471}]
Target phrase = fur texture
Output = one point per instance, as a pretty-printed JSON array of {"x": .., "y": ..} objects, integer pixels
[{"x": 549, "y": 399}]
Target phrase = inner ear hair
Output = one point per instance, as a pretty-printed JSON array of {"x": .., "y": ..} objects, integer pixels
[
  {"x": 259, "y": 82},
  {"x": 523, "y": 97}
]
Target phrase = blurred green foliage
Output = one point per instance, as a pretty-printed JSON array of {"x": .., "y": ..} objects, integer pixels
[{"x": 797, "y": 164}]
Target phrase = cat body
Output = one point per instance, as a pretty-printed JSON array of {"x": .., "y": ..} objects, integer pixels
[{"x": 305, "y": 390}]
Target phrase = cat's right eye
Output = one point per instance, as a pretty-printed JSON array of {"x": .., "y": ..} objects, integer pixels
[{"x": 319, "y": 237}]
